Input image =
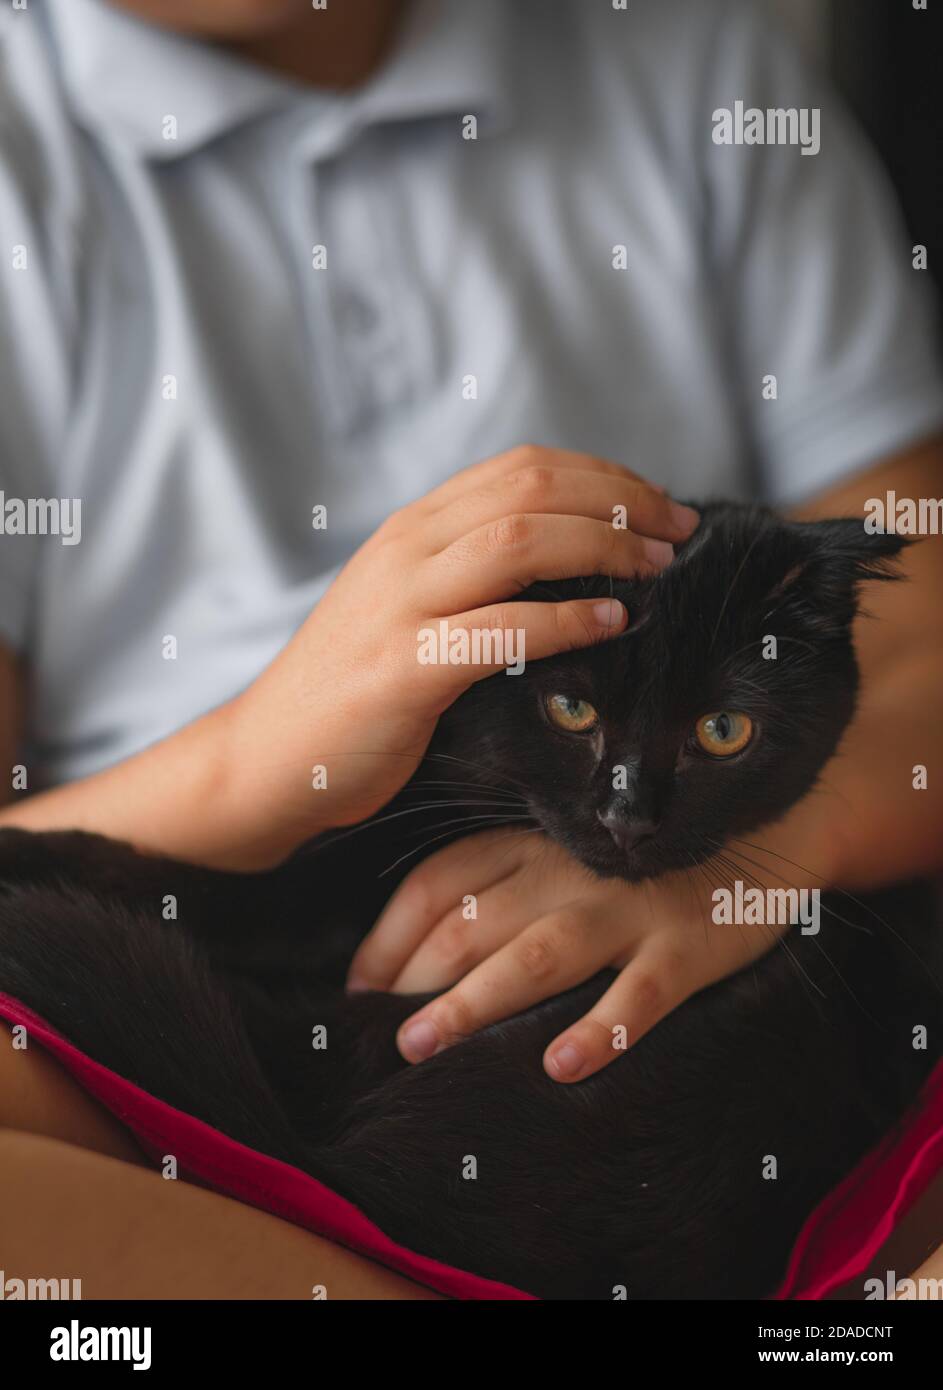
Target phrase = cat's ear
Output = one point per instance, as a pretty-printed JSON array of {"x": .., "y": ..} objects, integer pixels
[
  {"x": 861, "y": 554},
  {"x": 834, "y": 558}
]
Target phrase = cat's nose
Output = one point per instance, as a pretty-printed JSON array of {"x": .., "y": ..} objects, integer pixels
[{"x": 627, "y": 833}]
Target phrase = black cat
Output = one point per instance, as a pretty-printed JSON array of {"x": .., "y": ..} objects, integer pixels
[{"x": 653, "y": 1174}]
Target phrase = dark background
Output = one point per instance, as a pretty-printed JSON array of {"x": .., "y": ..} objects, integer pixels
[{"x": 887, "y": 58}]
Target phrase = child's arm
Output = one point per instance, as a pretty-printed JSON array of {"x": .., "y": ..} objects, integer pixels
[{"x": 338, "y": 722}]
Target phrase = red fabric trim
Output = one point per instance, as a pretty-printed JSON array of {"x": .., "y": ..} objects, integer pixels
[
  {"x": 837, "y": 1242},
  {"x": 847, "y": 1229}
]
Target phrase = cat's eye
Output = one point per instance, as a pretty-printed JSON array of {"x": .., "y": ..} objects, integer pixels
[
  {"x": 573, "y": 715},
  {"x": 724, "y": 733}
]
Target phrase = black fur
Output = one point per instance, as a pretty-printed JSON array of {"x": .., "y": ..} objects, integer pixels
[{"x": 648, "y": 1175}]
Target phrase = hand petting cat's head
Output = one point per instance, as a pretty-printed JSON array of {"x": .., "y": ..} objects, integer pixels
[{"x": 708, "y": 717}]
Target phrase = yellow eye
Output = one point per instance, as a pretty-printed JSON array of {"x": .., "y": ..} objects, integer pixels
[
  {"x": 724, "y": 733},
  {"x": 575, "y": 716}
]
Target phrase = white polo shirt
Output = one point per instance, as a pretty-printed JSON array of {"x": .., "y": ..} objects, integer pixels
[{"x": 227, "y": 299}]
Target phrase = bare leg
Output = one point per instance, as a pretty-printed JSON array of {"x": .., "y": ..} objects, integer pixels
[
  {"x": 128, "y": 1233},
  {"x": 76, "y": 1201},
  {"x": 928, "y": 1279}
]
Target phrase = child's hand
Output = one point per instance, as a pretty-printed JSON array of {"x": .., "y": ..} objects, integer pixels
[
  {"x": 349, "y": 695},
  {"x": 338, "y": 722},
  {"x": 543, "y": 924}
]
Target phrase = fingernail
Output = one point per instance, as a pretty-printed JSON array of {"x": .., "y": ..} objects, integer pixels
[
  {"x": 658, "y": 553},
  {"x": 609, "y": 613},
  {"x": 685, "y": 518},
  {"x": 566, "y": 1061},
  {"x": 418, "y": 1040},
  {"x": 357, "y": 985}
]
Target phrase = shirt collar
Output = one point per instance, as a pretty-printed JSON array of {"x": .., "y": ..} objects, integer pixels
[
  {"x": 124, "y": 77},
  {"x": 450, "y": 58}
]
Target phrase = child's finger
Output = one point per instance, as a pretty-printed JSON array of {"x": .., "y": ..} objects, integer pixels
[
  {"x": 506, "y": 555},
  {"x": 624, "y": 503},
  {"x": 460, "y": 941},
  {"x": 425, "y": 898},
  {"x": 490, "y": 470},
  {"x": 650, "y": 986},
  {"x": 553, "y": 954},
  {"x": 469, "y": 647}
]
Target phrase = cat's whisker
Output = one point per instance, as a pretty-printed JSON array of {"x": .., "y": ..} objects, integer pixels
[
  {"x": 858, "y": 903},
  {"x": 838, "y": 974},
  {"x": 735, "y": 873},
  {"x": 774, "y": 854},
  {"x": 460, "y": 820},
  {"x": 334, "y": 839},
  {"x": 450, "y": 757},
  {"x": 775, "y": 939},
  {"x": 763, "y": 849},
  {"x": 445, "y": 802},
  {"x": 855, "y": 926},
  {"x": 822, "y": 951},
  {"x": 493, "y": 798},
  {"x": 699, "y": 873},
  {"x": 419, "y": 787},
  {"x": 428, "y": 757},
  {"x": 723, "y": 872},
  {"x": 846, "y": 986},
  {"x": 740, "y": 859},
  {"x": 448, "y": 834}
]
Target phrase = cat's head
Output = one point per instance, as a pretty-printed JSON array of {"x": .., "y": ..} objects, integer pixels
[{"x": 710, "y": 716}]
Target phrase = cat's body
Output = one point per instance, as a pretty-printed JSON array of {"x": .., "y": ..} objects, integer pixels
[{"x": 655, "y": 1174}]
